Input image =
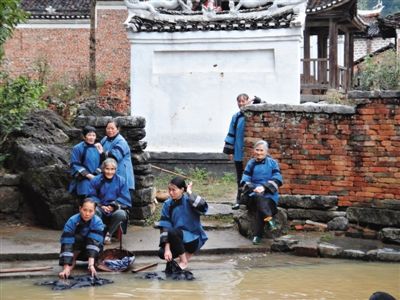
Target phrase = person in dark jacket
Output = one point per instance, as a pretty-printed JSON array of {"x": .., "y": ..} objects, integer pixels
[
  {"x": 181, "y": 231},
  {"x": 85, "y": 163},
  {"x": 82, "y": 232},
  {"x": 234, "y": 142},
  {"x": 112, "y": 196},
  {"x": 114, "y": 145},
  {"x": 261, "y": 180}
]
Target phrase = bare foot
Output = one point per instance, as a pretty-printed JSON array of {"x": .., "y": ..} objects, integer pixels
[{"x": 183, "y": 265}]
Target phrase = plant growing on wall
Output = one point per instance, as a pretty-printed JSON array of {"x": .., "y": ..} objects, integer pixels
[{"x": 380, "y": 73}]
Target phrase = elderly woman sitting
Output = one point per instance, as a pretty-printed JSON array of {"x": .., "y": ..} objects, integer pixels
[
  {"x": 111, "y": 193},
  {"x": 260, "y": 181}
]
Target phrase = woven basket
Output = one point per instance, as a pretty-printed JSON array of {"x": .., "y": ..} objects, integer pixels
[{"x": 115, "y": 253}]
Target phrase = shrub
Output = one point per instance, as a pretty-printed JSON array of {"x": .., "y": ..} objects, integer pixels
[
  {"x": 382, "y": 73},
  {"x": 17, "y": 98}
]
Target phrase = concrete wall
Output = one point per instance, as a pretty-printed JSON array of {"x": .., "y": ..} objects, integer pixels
[
  {"x": 334, "y": 150},
  {"x": 185, "y": 83}
]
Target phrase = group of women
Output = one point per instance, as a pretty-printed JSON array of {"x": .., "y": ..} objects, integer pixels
[
  {"x": 105, "y": 196},
  {"x": 104, "y": 182}
]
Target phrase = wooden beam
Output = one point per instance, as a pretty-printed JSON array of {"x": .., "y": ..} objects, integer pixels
[
  {"x": 323, "y": 53},
  {"x": 333, "y": 61},
  {"x": 306, "y": 55}
]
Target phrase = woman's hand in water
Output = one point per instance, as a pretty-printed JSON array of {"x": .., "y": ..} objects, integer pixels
[
  {"x": 167, "y": 255},
  {"x": 92, "y": 271},
  {"x": 65, "y": 273},
  {"x": 167, "y": 252}
]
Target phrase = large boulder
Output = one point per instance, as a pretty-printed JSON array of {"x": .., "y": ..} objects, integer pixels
[
  {"x": 245, "y": 220},
  {"x": 45, "y": 190}
]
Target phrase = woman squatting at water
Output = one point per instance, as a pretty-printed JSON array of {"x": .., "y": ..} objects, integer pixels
[{"x": 181, "y": 231}]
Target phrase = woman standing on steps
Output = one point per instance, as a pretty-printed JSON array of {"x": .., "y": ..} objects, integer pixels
[{"x": 181, "y": 231}]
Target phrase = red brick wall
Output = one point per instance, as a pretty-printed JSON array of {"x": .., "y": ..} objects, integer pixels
[
  {"x": 113, "y": 48},
  {"x": 354, "y": 156},
  {"x": 67, "y": 50}
]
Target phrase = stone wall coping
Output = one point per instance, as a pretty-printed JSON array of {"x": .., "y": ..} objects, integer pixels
[
  {"x": 125, "y": 121},
  {"x": 373, "y": 94},
  {"x": 306, "y": 108}
]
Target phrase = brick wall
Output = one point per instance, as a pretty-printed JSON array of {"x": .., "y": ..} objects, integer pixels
[
  {"x": 334, "y": 150},
  {"x": 64, "y": 50},
  {"x": 364, "y": 46},
  {"x": 113, "y": 48},
  {"x": 67, "y": 49}
]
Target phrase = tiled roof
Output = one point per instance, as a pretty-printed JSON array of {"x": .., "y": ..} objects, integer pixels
[
  {"x": 145, "y": 25},
  {"x": 57, "y": 9},
  {"x": 314, "y": 6}
]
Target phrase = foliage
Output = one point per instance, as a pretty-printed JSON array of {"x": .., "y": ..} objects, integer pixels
[
  {"x": 10, "y": 15},
  {"x": 17, "y": 98},
  {"x": 382, "y": 73},
  {"x": 199, "y": 174},
  {"x": 208, "y": 185},
  {"x": 65, "y": 95}
]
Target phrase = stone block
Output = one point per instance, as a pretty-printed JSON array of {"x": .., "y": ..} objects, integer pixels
[
  {"x": 353, "y": 254},
  {"x": 306, "y": 250},
  {"x": 374, "y": 216},
  {"x": 10, "y": 179},
  {"x": 390, "y": 235},
  {"x": 329, "y": 250},
  {"x": 338, "y": 223},
  {"x": 10, "y": 199},
  {"x": 144, "y": 196},
  {"x": 388, "y": 254},
  {"x": 144, "y": 181},
  {"x": 140, "y": 213},
  {"x": 308, "y": 201},
  {"x": 314, "y": 215}
]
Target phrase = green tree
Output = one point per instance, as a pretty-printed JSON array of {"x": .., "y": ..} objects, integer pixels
[
  {"x": 10, "y": 15},
  {"x": 17, "y": 98}
]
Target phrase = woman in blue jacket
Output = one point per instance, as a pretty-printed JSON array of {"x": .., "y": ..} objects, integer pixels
[
  {"x": 234, "y": 141},
  {"x": 83, "y": 233},
  {"x": 85, "y": 163},
  {"x": 261, "y": 180},
  {"x": 181, "y": 231},
  {"x": 112, "y": 196},
  {"x": 114, "y": 145}
]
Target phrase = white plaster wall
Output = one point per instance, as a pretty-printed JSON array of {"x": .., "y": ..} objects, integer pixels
[{"x": 185, "y": 84}]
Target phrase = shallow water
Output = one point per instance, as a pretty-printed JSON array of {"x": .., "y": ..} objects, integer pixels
[{"x": 271, "y": 276}]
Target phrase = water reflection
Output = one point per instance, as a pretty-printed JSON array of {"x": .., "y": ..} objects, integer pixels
[{"x": 243, "y": 277}]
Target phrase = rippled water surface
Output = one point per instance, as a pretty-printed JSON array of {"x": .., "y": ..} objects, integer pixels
[{"x": 270, "y": 276}]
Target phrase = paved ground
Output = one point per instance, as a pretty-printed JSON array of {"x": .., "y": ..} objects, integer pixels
[{"x": 23, "y": 246}]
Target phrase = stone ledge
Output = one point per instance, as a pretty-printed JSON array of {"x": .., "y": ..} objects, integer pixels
[{"x": 315, "y": 108}]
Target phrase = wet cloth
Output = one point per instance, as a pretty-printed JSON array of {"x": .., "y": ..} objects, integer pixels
[
  {"x": 172, "y": 271},
  {"x": 118, "y": 265},
  {"x": 74, "y": 282}
]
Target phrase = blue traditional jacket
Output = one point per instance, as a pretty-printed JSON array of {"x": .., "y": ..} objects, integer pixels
[
  {"x": 259, "y": 173},
  {"x": 91, "y": 230},
  {"x": 185, "y": 214},
  {"x": 118, "y": 148},
  {"x": 85, "y": 159},
  {"x": 235, "y": 138},
  {"x": 112, "y": 191}
]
